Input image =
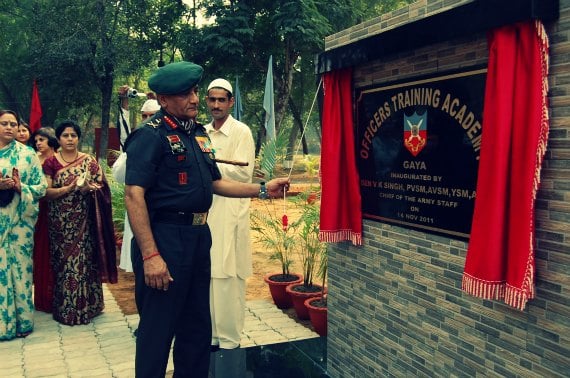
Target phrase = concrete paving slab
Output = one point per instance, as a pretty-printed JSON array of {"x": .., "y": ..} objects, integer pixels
[{"x": 106, "y": 346}]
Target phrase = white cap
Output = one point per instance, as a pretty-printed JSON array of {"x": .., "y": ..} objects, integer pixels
[
  {"x": 150, "y": 106},
  {"x": 221, "y": 83}
]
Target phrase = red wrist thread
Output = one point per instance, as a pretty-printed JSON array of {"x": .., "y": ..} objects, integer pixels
[{"x": 151, "y": 256}]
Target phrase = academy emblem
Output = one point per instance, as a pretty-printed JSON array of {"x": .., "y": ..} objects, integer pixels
[{"x": 415, "y": 132}]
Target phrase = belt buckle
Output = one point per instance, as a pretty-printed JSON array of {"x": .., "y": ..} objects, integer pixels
[{"x": 199, "y": 219}]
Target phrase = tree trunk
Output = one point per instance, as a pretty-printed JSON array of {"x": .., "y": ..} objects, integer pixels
[
  {"x": 106, "y": 96},
  {"x": 284, "y": 86},
  {"x": 106, "y": 81}
]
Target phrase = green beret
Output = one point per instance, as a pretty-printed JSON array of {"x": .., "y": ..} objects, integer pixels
[{"x": 175, "y": 78}]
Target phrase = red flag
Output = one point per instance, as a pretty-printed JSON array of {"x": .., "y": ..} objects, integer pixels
[{"x": 35, "y": 110}]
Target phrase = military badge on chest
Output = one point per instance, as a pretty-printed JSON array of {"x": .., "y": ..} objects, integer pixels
[
  {"x": 206, "y": 146},
  {"x": 176, "y": 145},
  {"x": 179, "y": 150}
]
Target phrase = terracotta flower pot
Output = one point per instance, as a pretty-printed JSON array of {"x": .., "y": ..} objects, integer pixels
[
  {"x": 318, "y": 315},
  {"x": 277, "y": 285},
  {"x": 299, "y": 294}
]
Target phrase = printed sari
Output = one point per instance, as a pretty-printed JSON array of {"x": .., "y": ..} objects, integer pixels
[
  {"x": 17, "y": 219},
  {"x": 81, "y": 235}
]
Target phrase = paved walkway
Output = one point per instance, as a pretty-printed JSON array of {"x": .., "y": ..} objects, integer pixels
[{"x": 106, "y": 347}]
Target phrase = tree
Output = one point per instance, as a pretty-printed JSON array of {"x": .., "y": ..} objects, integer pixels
[
  {"x": 76, "y": 49},
  {"x": 246, "y": 32}
]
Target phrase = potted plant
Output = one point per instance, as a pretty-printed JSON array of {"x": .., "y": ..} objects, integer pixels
[
  {"x": 317, "y": 306},
  {"x": 278, "y": 237},
  {"x": 274, "y": 232},
  {"x": 310, "y": 252}
]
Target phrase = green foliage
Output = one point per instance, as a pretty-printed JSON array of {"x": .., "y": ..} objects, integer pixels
[
  {"x": 312, "y": 163},
  {"x": 322, "y": 272},
  {"x": 272, "y": 151},
  {"x": 79, "y": 49},
  {"x": 278, "y": 239},
  {"x": 311, "y": 250},
  {"x": 300, "y": 236}
]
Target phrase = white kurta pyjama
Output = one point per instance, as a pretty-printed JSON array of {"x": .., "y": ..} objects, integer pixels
[{"x": 231, "y": 242}]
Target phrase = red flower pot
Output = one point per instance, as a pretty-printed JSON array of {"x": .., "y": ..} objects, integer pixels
[
  {"x": 277, "y": 285},
  {"x": 318, "y": 314},
  {"x": 299, "y": 294}
]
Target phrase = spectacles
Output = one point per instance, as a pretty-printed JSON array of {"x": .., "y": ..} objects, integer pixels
[{"x": 6, "y": 123}]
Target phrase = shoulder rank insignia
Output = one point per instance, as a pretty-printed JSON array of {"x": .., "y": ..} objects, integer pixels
[
  {"x": 170, "y": 122},
  {"x": 176, "y": 144},
  {"x": 155, "y": 123}
]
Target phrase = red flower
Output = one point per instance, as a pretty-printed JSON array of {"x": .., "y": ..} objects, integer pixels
[{"x": 285, "y": 222}]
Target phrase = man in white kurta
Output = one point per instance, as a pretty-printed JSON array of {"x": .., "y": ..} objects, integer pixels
[{"x": 229, "y": 219}]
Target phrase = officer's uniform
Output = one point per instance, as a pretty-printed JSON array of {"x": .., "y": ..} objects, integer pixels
[{"x": 177, "y": 170}]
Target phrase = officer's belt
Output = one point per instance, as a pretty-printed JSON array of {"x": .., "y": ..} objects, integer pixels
[{"x": 180, "y": 217}]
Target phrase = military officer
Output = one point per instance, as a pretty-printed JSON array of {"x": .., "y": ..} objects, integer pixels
[{"x": 170, "y": 179}]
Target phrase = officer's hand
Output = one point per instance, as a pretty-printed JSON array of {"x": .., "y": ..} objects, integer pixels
[
  {"x": 277, "y": 187},
  {"x": 156, "y": 274}
]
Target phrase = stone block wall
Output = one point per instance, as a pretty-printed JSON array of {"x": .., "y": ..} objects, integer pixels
[
  {"x": 395, "y": 304},
  {"x": 391, "y": 20}
]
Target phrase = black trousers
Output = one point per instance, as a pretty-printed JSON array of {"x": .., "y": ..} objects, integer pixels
[{"x": 182, "y": 312}]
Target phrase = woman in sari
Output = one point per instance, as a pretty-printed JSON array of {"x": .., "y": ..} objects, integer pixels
[
  {"x": 80, "y": 228},
  {"x": 22, "y": 184},
  {"x": 45, "y": 143}
]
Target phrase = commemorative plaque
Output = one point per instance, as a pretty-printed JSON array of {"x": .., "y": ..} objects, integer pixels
[{"x": 417, "y": 151}]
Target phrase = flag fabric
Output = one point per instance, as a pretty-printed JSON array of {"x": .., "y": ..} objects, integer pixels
[
  {"x": 268, "y": 102},
  {"x": 341, "y": 210},
  {"x": 35, "y": 110},
  {"x": 500, "y": 259},
  {"x": 238, "y": 106}
]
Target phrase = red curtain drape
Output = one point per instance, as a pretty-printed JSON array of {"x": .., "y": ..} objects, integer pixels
[
  {"x": 341, "y": 211},
  {"x": 500, "y": 257}
]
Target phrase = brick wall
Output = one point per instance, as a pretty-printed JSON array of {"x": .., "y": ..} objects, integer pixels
[
  {"x": 395, "y": 304},
  {"x": 391, "y": 20}
]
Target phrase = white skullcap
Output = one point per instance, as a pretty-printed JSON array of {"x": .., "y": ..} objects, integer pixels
[
  {"x": 150, "y": 106},
  {"x": 221, "y": 83}
]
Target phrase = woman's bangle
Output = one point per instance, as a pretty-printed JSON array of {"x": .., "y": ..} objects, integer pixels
[{"x": 151, "y": 256}]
